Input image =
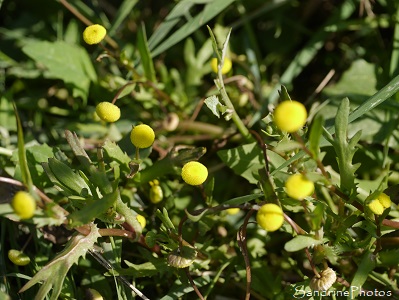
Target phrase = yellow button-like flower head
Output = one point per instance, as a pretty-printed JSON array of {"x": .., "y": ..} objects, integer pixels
[
  {"x": 298, "y": 187},
  {"x": 141, "y": 219},
  {"x": 94, "y": 34},
  {"x": 108, "y": 112},
  {"x": 226, "y": 66},
  {"x": 24, "y": 205},
  {"x": 18, "y": 258},
  {"x": 142, "y": 136},
  {"x": 290, "y": 116},
  {"x": 194, "y": 173},
  {"x": 377, "y": 206},
  {"x": 385, "y": 200},
  {"x": 270, "y": 217}
]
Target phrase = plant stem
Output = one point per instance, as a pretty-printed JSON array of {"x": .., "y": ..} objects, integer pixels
[{"x": 234, "y": 116}]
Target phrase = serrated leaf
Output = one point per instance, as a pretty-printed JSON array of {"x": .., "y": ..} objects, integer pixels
[
  {"x": 345, "y": 148},
  {"x": 53, "y": 274},
  {"x": 301, "y": 242}
]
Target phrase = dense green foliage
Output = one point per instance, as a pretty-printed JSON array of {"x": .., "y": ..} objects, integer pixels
[{"x": 91, "y": 184}]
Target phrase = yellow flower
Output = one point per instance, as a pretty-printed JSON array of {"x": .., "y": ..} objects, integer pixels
[
  {"x": 385, "y": 200},
  {"x": 377, "y": 206},
  {"x": 290, "y": 116},
  {"x": 94, "y": 34},
  {"x": 156, "y": 193},
  {"x": 141, "y": 220},
  {"x": 18, "y": 258},
  {"x": 194, "y": 173},
  {"x": 233, "y": 211},
  {"x": 270, "y": 217},
  {"x": 298, "y": 187},
  {"x": 108, "y": 112},
  {"x": 226, "y": 66},
  {"x": 24, "y": 205},
  {"x": 142, "y": 136}
]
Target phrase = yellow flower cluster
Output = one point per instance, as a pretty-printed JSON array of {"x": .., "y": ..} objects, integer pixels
[
  {"x": 108, "y": 112},
  {"x": 194, "y": 173},
  {"x": 94, "y": 34},
  {"x": 142, "y": 136},
  {"x": 226, "y": 66},
  {"x": 378, "y": 205},
  {"x": 24, "y": 205},
  {"x": 290, "y": 116},
  {"x": 270, "y": 217},
  {"x": 299, "y": 187}
]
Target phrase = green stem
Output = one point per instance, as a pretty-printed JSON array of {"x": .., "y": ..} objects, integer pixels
[{"x": 234, "y": 116}]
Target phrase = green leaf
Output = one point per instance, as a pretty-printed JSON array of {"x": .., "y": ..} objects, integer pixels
[
  {"x": 115, "y": 153},
  {"x": 302, "y": 241},
  {"x": 366, "y": 265},
  {"x": 358, "y": 81},
  {"x": 242, "y": 199},
  {"x": 146, "y": 59},
  {"x": 196, "y": 218},
  {"x": 213, "y": 103},
  {"x": 68, "y": 178},
  {"x": 53, "y": 274},
  {"x": 210, "y": 10},
  {"x": 123, "y": 12},
  {"x": 316, "y": 132},
  {"x": 23, "y": 162},
  {"x": 244, "y": 160},
  {"x": 64, "y": 61},
  {"x": 345, "y": 149},
  {"x": 93, "y": 209},
  {"x": 284, "y": 94}
]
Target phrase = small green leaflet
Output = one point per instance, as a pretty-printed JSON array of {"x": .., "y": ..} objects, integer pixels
[{"x": 215, "y": 106}]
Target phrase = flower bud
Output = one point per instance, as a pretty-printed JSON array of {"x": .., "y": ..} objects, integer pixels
[
  {"x": 226, "y": 66},
  {"x": 290, "y": 116},
  {"x": 156, "y": 193},
  {"x": 24, "y": 205},
  {"x": 141, "y": 219},
  {"x": 18, "y": 258}
]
